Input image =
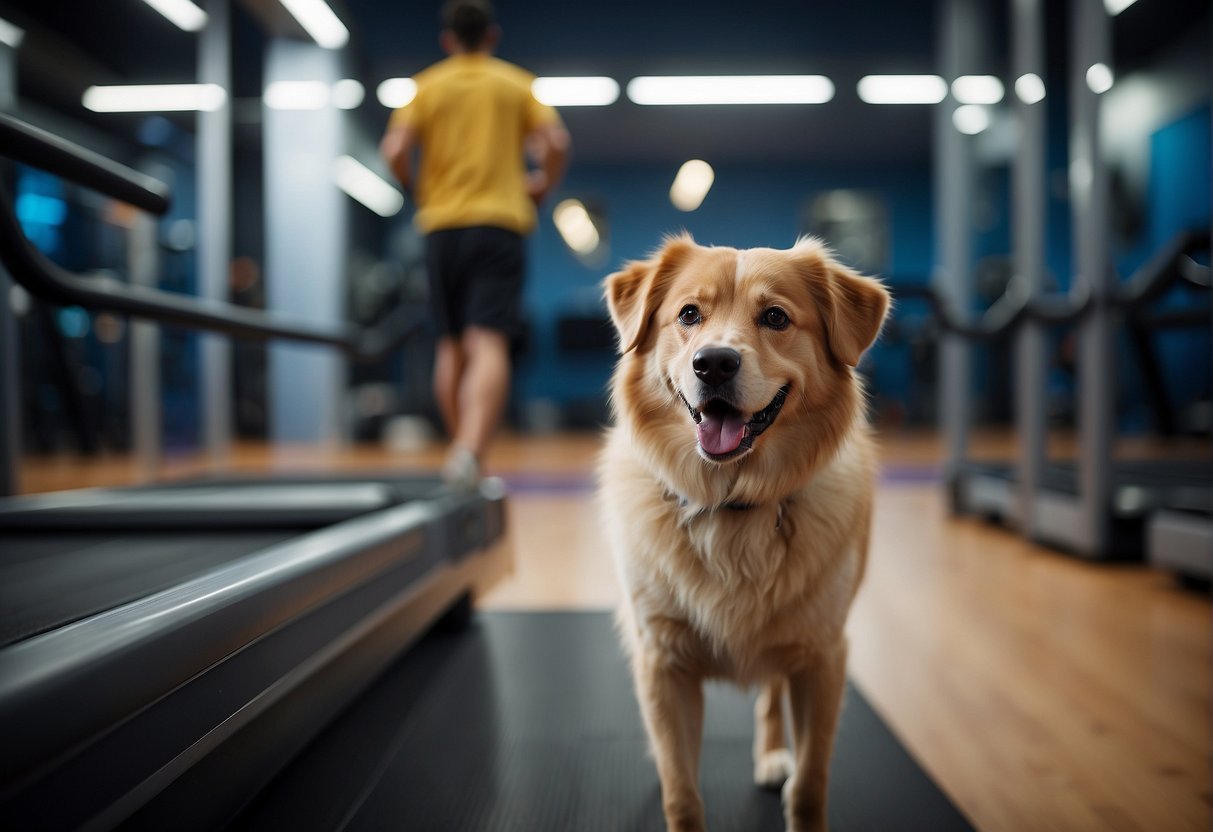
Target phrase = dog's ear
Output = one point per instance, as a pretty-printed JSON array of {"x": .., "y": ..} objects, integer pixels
[
  {"x": 852, "y": 306},
  {"x": 626, "y": 291},
  {"x": 633, "y": 294}
]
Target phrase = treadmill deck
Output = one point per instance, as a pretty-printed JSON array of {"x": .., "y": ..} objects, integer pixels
[{"x": 528, "y": 721}]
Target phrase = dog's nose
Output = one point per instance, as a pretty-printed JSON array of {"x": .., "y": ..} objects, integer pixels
[{"x": 716, "y": 365}]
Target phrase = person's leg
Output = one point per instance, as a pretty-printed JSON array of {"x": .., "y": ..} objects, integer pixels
[
  {"x": 496, "y": 262},
  {"x": 448, "y": 372},
  {"x": 483, "y": 388},
  {"x": 447, "y": 301}
]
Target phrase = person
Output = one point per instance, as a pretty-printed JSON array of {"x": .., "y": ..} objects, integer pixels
[{"x": 472, "y": 123}]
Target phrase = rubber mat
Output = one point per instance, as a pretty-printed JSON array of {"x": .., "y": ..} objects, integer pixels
[{"x": 527, "y": 721}]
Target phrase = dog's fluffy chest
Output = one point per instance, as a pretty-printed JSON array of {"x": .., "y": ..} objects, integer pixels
[
  {"x": 741, "y": 591},
  {"x": 748, "y": 589}
]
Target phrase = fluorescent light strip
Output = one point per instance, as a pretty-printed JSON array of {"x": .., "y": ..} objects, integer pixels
[
  {"x": 297, "y": 95},
  {"x": 153, "y": 98},
  {"x": 977, "y": 89},
  {"x": 692, "y": 184},
  {"x": 396, "y": 92},
  {"x": 11, "y": 35},
  {"x": 1115, "y": 7},
  {"x": 1029, "y": 88},
  {"x": 367, "y": 187},
  {"x": 319, "y": 21},
  {"x": 181, "y": 13},
  {"x": 902, "y": 89},
  {"x": 588, "y": 91},
  {"x": 730, "y": 89},
  {"x": 575, "y": 226}
]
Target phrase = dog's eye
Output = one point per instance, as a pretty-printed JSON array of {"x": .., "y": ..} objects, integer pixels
[
  {"x": 689, "y": 315},
  {"x": 775, "y": 318}
]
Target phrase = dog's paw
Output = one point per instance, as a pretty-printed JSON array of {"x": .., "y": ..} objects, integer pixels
[{"x": 774, "y": 768}]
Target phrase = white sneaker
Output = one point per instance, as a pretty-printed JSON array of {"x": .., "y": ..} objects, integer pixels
[{"x": 461, "y": 470}]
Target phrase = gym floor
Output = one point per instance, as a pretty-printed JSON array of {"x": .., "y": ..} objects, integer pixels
[{"x": 1039, "y": 691}]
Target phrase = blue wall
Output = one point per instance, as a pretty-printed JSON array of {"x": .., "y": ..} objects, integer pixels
[{"x": 747, "y": 206}]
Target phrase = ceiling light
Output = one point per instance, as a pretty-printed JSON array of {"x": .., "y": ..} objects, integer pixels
[
  {"x": 902, "y": 89},
  {"x": 319, "y": 21},
  {"x": 575, "y": 226},
  {"x": 348, "y": 94},
  {"x": 691, "y": 185},
  {"x": 1029, "y": 88},
  {"x": 366, "y": 186},
  {"x": 11, "y": 35},
  {"x": 977, "y": 89},
  {"x": 297, "y": 95},
  {"x": 181, "y": 13},
  {"x": 396, "y": 92},
  {"x": 592, "y": 91},
  {"x": 1115, "y": 7},
  {"x": 970, "y": 119},
  {"x": 1099, "y": 78},
  {"x": 154, "y": 98},
  {"x": 731, "y": 89}
]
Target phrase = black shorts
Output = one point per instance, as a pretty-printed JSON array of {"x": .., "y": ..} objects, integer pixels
[{"x": 475, "y": 278}]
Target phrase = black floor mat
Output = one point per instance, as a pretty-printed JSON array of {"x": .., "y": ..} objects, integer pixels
[{"x": 527, "y": 721}]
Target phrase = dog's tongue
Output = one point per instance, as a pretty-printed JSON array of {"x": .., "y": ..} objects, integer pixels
[{"x": 721, "y": 434}]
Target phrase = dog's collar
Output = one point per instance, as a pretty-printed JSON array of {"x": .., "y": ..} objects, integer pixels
[{"x": 683, "y": 502}]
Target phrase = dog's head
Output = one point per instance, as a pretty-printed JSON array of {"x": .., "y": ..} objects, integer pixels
[{"x": 742, "y": 355}]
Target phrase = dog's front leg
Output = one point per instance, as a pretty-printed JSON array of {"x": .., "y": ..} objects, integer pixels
[
  {"x": 773, "y": 762},
  {"x": 671, "y": 701},
  {"x": 816, "y": 696}
]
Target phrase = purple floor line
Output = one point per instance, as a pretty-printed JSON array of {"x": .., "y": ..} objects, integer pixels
[{"x": 584, "y": 484}]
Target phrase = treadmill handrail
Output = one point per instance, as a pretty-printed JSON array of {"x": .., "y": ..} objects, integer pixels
[
  {"x": 1164, "y": 270},
  {"x": 1004, "y": 315},
  {"x": 37, "y": 148},
  {"x": 1167, "y": 268},
  {"x": 48, "y": 281}
]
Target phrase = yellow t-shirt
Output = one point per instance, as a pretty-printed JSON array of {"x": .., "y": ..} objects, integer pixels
[{"x": 472, "y": 114}]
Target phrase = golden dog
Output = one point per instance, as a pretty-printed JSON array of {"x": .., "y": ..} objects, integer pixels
[{"x": 736, "y": 486}]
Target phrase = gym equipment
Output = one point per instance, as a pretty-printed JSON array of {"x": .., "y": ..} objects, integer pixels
[
  {"x": 1143, "y": 493},
  {"x": 24, "y": 143},
  {"x": 204, "y": 629},
  {"x": 148, "y": 633},
  {"x": 1096, "y": 507}
]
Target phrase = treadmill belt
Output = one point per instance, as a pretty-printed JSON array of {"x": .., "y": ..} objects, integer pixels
[
  {"x": 527, "y": 721},
  {"x": 49, "y": 580}
]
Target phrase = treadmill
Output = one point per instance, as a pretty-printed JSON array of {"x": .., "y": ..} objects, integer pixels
[
  {"x": 1158, "y": 509},
  {"x": 201, "y": 632}
]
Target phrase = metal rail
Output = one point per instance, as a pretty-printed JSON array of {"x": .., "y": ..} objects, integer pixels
[
  {"x": 1171, "y": 266},
  {"x": 47, "y": 281}
]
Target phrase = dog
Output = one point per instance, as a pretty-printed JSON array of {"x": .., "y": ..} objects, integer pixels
[{"x": 736, "y": 488}]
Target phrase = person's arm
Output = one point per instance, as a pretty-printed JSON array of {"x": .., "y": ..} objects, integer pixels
[
  {"x": 550, "y": 142},
  {"x": 397, "y": 149}
]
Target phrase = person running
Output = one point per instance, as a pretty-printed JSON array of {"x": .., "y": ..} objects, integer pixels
[{"x": 472, "y": 123}]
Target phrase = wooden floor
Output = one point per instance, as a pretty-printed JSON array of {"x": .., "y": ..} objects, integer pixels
[{"x": 1041, "y": 692}]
